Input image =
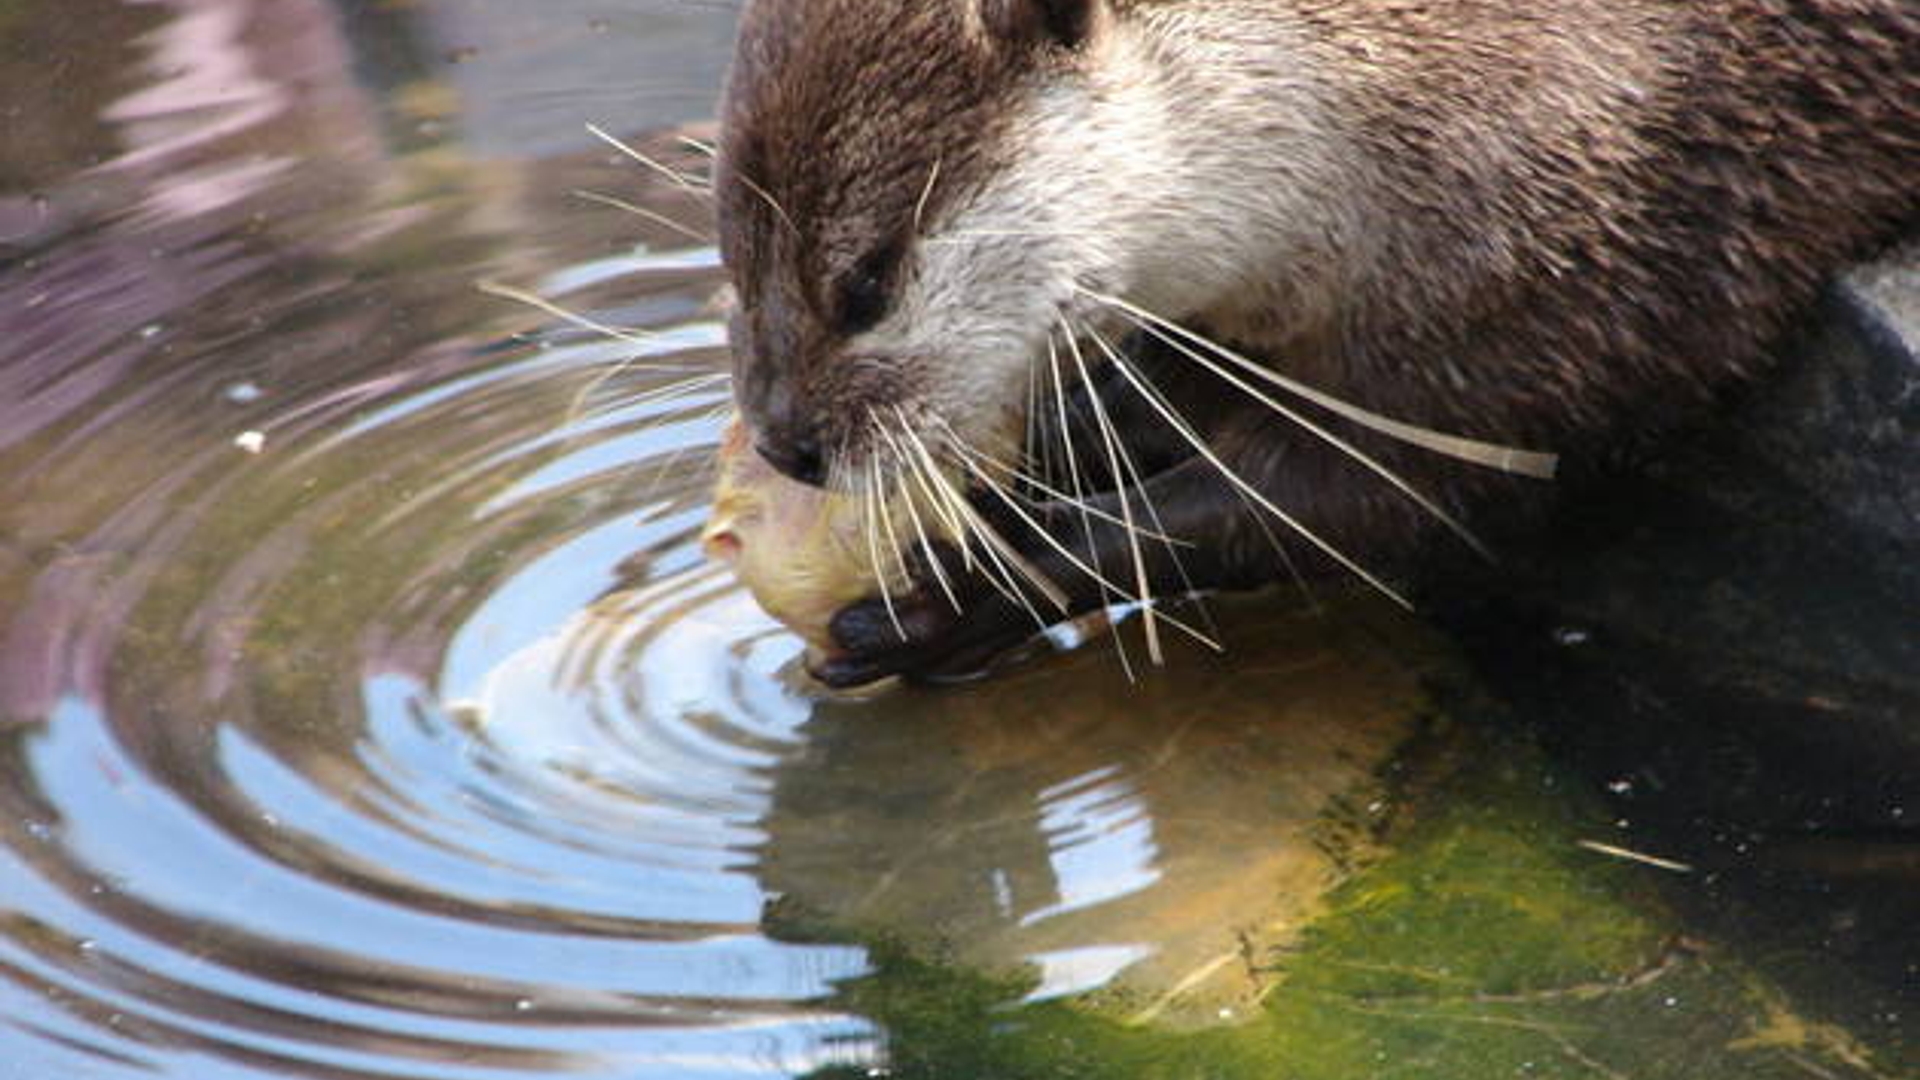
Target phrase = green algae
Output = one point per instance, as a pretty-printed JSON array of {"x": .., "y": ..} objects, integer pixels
[{"x": 1486, "y": 943}]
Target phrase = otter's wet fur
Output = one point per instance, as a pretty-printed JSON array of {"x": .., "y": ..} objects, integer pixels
[{"x": 1557, "y": 225}]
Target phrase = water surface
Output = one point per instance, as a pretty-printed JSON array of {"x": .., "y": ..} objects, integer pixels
[{"x": 366, "y": 709}]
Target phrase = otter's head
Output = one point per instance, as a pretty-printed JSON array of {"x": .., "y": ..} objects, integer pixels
[{"x": 925, "y": 203}]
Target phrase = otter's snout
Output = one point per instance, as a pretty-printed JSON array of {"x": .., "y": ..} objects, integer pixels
[
  {"x": 783, "y": 432},
  {"x": 795, "y": 452}
]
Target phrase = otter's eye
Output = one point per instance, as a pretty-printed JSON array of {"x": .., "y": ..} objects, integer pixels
[{"x": 864, "y": 293}]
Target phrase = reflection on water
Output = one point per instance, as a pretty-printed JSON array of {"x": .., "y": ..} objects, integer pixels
[{"x": 367, "y": 708}]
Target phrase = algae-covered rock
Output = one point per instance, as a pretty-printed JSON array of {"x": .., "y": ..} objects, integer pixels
[
  {"x": 1280, "y": 864},
  {"x": 1138, "y": 845},
  {"x": 1484, "y": 943}
]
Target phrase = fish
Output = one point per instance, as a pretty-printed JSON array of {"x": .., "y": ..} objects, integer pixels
[{"x": 803, "y": 552}]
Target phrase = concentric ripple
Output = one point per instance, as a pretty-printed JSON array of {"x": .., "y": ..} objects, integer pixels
[
  {"x": 342, "y": 774},
  {"x": 366, "y": 708}
]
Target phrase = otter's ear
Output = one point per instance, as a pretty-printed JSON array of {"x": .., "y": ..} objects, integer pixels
[{"x": 1064, "y": 23}]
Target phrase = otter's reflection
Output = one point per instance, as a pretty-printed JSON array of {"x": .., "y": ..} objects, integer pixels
[{"x": 1154, "y": 841}]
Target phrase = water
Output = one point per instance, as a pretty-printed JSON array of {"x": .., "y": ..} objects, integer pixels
[
  {"x": 334, "y": 587},
  {"x": 366, "y": 709}
]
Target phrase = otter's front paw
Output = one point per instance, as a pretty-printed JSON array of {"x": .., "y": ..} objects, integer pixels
[
  {"x": 939, "y": 645},
  {"x": 932, "y": 634}
]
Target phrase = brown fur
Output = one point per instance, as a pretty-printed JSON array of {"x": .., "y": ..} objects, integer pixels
[
  {"x": 1645, "y": 254},
  {"x": 836, "y": 113},
  {"x": 1563, "y": 223}
]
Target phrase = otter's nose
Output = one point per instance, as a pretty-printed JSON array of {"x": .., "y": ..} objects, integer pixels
[{"x": 795, "y": 453}]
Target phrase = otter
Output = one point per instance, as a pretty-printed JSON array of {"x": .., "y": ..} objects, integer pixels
[{"x": 1244, "y": 264}]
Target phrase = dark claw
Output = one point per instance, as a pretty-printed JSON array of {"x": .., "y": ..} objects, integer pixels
[
  {"x": 922, "y": 637},
  {"x": 865, "y": 628},
  {"x": 847, "y": 672},
  {"x": 933, "y": 663},
  {"x": 872, "y": 645},
  {"x": 870, "y": 628}
]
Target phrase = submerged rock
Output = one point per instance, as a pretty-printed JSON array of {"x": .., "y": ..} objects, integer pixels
[
  {"x": 1725, "y": 646},
  {"x": 1486, "y": 932},
  {"x": 1143, "y": 846},
  {"x": 1285, "y": 862}
]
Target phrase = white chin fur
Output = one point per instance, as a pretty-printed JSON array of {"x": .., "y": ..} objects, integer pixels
[{"x": 1116, "y": 187}]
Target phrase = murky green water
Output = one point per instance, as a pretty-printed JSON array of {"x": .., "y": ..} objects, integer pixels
[{"x": 366, "y": 709}]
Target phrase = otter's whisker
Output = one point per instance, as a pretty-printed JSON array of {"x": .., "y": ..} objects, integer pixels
[
  {"x": 1259, "y": 518},
  {"x": 766, "y": 196},
  {"x": 1000, "y": 492},
  {"x": 1037, "y": 467},
  {"x": 1092, "y": 572},
  {"x": 926, "y": 194},
  {"x": 1157, "y": 328},
  {"x": 935, "y": 505},
  {"x": 1056, "y": 495},
  {"x": 522, "y": 296},
  {"x": 1534, "y": 463},
  {"x": 534, "y": 300},
  {"x": 998, "y": 550},
  {"x": 698, "y": 146},
  {"x": 901, "y": 460},
  {"x": 674, "y": 390},
  {"x": 1009, "y": 234},
  {"x": 540, "y": 302},
  {"x": 959, "y": 525},
  {"x": 686, "y": 182},
  {"x": 1200, "y": 446},
  {"x": 1279, "y": 549},
  {"x": 884, "y": 490},
  {"x": 871, "y": 485},
  {"x": 992, "y": 567},
  {"x": 1029, "y": 446},
  {"x": 893, "y": 545},
  {"x": 841, "y": 476},
  {"x": 644, "y": 214},
  {"x": 1146, "y": 498},
  {"x": 967, "y": 523},
  {"x": 1111, "y": 439},
  {"x": 683, "y": 388},
  {"x": 1080, "y": 493}
]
